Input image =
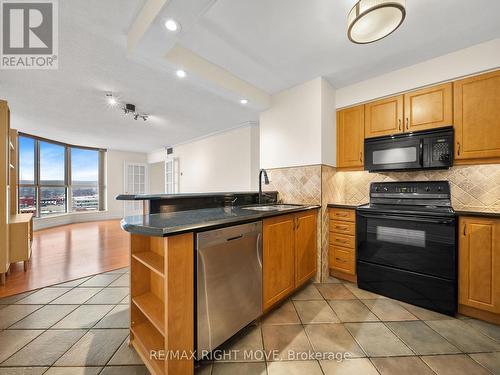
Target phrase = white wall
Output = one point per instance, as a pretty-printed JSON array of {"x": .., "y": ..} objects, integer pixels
[
  {"x": 225, "y": 161},
  {"x": 475, "y": 59},
  {"x": 328, "y": 125},
  {"x": 157, "y": 177},
  {"x": 115, "y": 162},
  {"x": 296, "y": 130},
  {"x": 290, "y": 131}
]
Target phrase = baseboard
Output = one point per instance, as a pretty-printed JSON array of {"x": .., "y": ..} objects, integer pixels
[
  {"x": 479, "y": 314},
  {"x": 343, "y": 276}
]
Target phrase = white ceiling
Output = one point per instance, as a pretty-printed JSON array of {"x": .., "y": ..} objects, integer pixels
[
  {"x": 276, "y": 44},
  {"x": 272, "y": 44}
]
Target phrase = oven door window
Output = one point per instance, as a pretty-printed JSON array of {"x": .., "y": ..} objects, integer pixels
[{"x": 423, "y": 245}]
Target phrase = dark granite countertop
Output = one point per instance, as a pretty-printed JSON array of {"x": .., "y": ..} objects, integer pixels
[
  {"x": 343, "y": 205},
  {"x": 143, "y": 197},
  {"x": 464, "y": 211},
  {"x": 167, "y": 224}
]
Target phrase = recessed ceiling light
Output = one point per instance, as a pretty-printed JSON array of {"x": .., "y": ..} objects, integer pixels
[
  {"x": 111, "y": 99},
  {"x": 244, "y": 101},
  {"x": 180, "y": 73},
  {"x": 372, "y": 20},
  {"x": 172, "y": 25}
]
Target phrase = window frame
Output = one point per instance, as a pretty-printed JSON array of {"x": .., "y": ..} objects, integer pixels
[{"x": 67, "y": 185}]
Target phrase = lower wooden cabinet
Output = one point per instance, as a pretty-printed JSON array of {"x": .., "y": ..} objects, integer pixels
[
  {"x": 305, "y": 246},
  {"x": 342, "y": 243},
  {"x": 479, "y": 263},
  {"x": 289, "y": 254}
]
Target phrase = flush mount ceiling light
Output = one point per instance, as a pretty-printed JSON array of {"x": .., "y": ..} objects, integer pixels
[
  {"x": 172, "y": 25},
  {"x": 244, "y": 101},
  {"x": 111, "y": 99},
  {"x": 180, "y": 73},
  {"x": 372, "y": 20}
]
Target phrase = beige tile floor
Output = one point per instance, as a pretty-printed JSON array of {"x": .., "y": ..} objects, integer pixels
[{"x": 80, "y": 327}]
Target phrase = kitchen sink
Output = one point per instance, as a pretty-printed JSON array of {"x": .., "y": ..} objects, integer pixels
[{"x": 271, "y": 207}]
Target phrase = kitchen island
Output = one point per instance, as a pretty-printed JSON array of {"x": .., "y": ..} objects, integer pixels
[{"x": 163, "y": 271}]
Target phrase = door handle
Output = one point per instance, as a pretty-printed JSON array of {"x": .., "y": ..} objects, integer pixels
[{"x": 259, "y": 249}]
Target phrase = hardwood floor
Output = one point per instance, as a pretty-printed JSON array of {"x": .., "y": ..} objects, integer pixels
[{"x": 69, "y": 252}]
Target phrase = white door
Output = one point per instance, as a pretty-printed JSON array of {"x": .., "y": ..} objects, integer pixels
[
  {"x": 171, "y": 178},
  {"x": 136, "y": 182}
]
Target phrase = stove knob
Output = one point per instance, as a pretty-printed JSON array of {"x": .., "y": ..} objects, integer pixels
[
  {"x": 385, "y": 188},
  {"x": 427, "y": 189},
  {"x": 440, "y": 188}
]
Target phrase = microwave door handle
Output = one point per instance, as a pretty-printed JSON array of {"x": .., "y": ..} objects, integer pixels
[{"x": 421, "y": 152}]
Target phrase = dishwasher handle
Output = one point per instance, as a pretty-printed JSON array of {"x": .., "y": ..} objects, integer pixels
[
  {"x": 259, "y": 249},
  {"x": 234, "y": 238}
]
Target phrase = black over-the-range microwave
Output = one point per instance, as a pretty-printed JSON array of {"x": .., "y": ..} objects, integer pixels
[{"x": 428, "y": 149}]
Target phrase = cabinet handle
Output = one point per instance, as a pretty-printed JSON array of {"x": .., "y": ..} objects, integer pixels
[
  {"x": 341, "y": 228},
  {"x": 341, "y": 241},
  {"x": 298, "y": 223},
  {"x": 340, "y": 260},
  {"x": 407, "y": 124},
  {"x": 458, "y": 144},
  {"x": 342, "y": 215},
  {"x": 361, "y": 156},
  {"x": 465, "y": 226},
  {"x": 399, "y": 121}
]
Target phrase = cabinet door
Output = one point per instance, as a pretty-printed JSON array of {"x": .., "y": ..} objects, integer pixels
[
  {"x": 479, "y": 263},
  {"x": 350, "y": 137},
  {"x": 384, "y": 117},
  {"x": 429, "y": 108},
  {"x": 278, "y": 258},
  {"x": 305, "y": 246},
  {"x": 477, "y": 117}
]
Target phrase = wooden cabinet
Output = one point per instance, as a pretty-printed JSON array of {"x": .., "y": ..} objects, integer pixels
[
  {"x": 4, "y": 188},
  {"x": 429, "y": 108},
  {"x": 477, "y": 119},
  {"x": 21, "y": 238},
  {"x": 289, "y": 254},
  {"x": 384, "y": 117},
  {"x": 342, "y": 243},
  {"x": 350, "y": 137},
  {"x": 479, "y": 263},
  {"x": 278, "y": 258},
  {"x": 305, "y": 246}
]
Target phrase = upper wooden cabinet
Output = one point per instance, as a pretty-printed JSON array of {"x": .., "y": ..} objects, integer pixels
[
  {"x": 305, "y": 246},
  {"x": 429, "y": 108},
  {"x": 384, "y": 117},
  {"x": 479, "y": 263},
  {"x": 350, "y": 137},
  {"x": 477, "y": 118}
]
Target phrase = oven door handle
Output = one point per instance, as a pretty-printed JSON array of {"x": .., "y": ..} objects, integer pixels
[{"x": 408, "y": 218}]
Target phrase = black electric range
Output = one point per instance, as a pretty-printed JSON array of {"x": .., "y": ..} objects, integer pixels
[{"x": 407, "y": 244}]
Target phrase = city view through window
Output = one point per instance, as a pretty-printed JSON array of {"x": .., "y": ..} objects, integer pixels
[{"x": 56, "y": 178}]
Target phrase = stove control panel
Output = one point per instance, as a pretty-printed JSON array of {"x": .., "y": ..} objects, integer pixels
[{"x": 410, "y": 188}]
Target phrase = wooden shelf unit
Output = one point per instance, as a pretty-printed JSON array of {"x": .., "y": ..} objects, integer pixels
[{"x": 162, "y": 301}]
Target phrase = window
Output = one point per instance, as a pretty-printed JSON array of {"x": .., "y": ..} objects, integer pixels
[
  {"x": 84, "y": 179},
  {"x": 56, "y": 178}
]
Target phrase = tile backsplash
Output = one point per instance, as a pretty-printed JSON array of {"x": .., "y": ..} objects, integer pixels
[{"x": 472, "y": 187}]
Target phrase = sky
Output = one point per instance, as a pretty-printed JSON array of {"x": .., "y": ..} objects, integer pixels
[{"x": 84, "y": 163}]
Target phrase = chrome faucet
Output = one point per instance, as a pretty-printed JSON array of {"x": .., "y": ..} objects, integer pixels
[{"x": 266, "y": 181}]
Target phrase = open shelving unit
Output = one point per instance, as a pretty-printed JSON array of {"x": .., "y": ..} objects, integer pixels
[{"x": 161, "y": 286}]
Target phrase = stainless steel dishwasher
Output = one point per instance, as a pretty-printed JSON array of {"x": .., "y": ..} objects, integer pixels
[{"x": 229, "y": 285}]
